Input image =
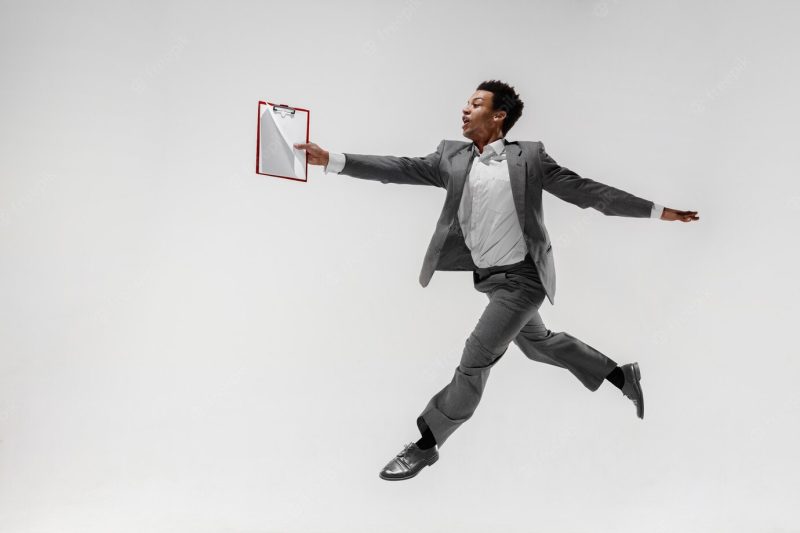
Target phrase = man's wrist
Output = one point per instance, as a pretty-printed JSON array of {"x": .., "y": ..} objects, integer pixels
[
  {"x": 335, "y": 164},
  {"x": 656, "y": 211}
]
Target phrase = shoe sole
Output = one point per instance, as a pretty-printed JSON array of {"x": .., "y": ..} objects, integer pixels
[
  {"x": 638, "y": 374},
  {"x": 429, "y": 463}
]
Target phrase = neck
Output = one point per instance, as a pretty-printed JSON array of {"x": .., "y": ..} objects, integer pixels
[{"x": 480, "y": 144}]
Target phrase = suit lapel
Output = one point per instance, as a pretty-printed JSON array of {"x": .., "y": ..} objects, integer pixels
[
  {"x": 516, "y": 174},
  {"x": 461, "y": 163}
]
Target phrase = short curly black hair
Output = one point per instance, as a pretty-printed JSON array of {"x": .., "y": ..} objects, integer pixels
[{"x": 504, "y": 98}]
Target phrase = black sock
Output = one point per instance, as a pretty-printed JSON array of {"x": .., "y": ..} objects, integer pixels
[
  {"x": 616, "y": 377},
  {"x": 427, "y": 440}
]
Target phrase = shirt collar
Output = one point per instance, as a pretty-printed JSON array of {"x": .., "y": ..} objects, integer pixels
[{"x": 497, "y": 146}]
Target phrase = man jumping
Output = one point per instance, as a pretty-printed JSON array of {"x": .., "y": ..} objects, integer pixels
[{"x": 492, "y": 224}]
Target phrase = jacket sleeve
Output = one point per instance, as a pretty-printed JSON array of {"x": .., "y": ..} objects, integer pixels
[
  {"x": 583, "y": 192},
  {"x": 394, "y": 169}
]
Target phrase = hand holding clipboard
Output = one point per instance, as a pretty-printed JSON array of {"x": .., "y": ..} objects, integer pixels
[{"x": 315, "y": 155}]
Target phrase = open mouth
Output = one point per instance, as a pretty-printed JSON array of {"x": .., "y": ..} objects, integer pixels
[{"x": 465, "y": 122}]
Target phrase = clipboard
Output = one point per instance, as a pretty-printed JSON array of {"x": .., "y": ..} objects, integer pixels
[{"x": 279, "y": 127}]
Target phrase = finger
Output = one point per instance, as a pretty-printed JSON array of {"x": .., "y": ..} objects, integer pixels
[{"x": 302, "y": 146}]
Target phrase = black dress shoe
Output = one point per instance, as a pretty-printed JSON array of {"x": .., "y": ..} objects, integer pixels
[
  {"x": 632, "y": 388},
  {"x": 409, "y": 462}
]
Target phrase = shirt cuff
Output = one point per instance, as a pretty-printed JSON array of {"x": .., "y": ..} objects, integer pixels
[
  {"x": 335, "y": 163},
  {"x": 656, "y": 211}
]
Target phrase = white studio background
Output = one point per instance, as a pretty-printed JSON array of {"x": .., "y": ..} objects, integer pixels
[{"x": 186, "y": 346}]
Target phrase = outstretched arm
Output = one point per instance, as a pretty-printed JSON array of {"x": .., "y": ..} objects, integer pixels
[
  {"x": 583, "y": 192},
  {"x": 383, "y": 168}
]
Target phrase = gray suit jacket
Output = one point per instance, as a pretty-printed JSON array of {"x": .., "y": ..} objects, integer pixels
[{"x": 530, "y": 169}]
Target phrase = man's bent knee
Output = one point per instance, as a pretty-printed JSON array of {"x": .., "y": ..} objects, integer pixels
[{"x": 478, "y": 356}]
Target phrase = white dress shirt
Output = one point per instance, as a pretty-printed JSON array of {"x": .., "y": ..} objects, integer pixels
[{"x": 486, "y": 213}]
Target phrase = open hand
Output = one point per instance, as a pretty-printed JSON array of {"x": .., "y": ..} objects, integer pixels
[
  {"x": 315, "y": 155},
  {"x": 683, "y": 216}
]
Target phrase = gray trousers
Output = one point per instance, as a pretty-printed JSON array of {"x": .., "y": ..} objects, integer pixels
[{"x": 515, "y": 294}]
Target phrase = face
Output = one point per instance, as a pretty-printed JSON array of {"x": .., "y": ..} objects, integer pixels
[{"x": 478, "y": 119}]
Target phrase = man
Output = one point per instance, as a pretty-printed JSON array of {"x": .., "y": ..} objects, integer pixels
[{"x": 492, "y": 224}]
